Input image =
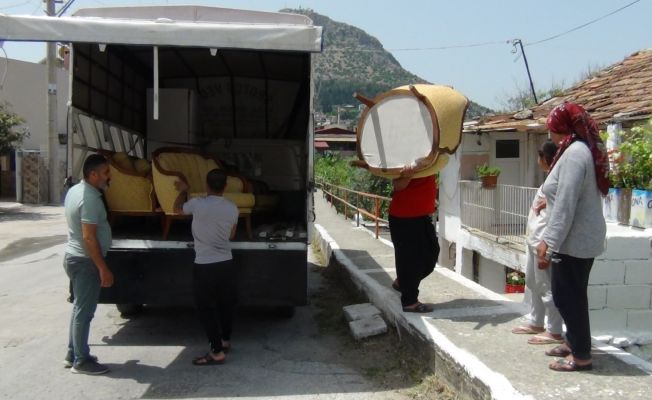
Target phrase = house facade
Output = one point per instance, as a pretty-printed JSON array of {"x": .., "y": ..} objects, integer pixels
[
  {"x": 24, "y": 92},
  {"x": 482, "y": 230}
]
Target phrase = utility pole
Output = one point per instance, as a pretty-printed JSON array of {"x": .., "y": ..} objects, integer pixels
[
  {"x": 527, "y": 68},
  {"x": 54, "y": 173}
]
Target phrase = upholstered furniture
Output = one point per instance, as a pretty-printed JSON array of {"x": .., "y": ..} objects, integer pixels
[
  {"x": 171, "y": 164},
  {"x": 131, "y": 191}
]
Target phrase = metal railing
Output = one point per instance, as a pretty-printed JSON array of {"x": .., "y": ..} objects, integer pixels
[
  {"x": 355, "y": 203},
  {"x": 500, "y": 213}
]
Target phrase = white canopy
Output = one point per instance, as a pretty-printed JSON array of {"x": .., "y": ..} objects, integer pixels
[{"x": 193, "y": 26}]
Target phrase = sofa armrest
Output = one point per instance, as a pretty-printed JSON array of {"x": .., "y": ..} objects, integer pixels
[
  {"x": 130, "y": 193},
  {"x": 166, "y": 192}
]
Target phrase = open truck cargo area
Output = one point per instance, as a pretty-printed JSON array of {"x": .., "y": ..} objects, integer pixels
[{"x": 200, "y": 86}]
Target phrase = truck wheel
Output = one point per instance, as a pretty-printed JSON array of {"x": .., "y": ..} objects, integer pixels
[
  {"x": 285, "y": 311},
  {"x": 128, "y": 310}
]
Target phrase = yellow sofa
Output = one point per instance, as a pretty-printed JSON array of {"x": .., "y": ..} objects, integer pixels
[
  {"x": 170, "y": 164},
  {"x": 131, "y": 191}
]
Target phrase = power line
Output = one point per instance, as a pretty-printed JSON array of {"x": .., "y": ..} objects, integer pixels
[
  {"x": 484, "y": 44},
  {"x": 583, "y": 25}
]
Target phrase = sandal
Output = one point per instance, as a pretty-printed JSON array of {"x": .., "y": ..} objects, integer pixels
[
  {"x": 527, "y": 330},
  {"x": 207, "y": 359},
  {"x": 558, "y": 351},
  {"x": 564, "y": 365},
  {"x": 395, "y": 285},
  {"x": 419, "y": 308},
  {"x": 544, "y": 339}
]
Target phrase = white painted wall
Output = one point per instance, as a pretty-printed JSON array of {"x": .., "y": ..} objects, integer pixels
[{"x": 25, "y": 89}]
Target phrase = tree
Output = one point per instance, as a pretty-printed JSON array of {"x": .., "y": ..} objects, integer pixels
[
  {"x": 10, "y": 136},
  {"x": 522, "y": 97}
]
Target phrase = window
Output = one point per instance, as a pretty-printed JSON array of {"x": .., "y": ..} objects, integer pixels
[{"x": 507, "y": 149}]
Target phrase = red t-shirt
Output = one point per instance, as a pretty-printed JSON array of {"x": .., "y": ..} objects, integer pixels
[{"x": 416, "y": 200}]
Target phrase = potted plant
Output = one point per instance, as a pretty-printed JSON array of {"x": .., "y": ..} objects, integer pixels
[
  {"x": 631, "y": 175},
  {"x": 515, "y": 282},
  {"x": 488, "y": 175}
]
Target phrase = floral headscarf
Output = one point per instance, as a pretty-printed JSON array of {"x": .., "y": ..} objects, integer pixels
[{"x": 572, "y": 120}]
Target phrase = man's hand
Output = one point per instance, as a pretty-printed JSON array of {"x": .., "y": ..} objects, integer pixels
[
  {"x": 539, "y": 205},
  {"x": 106, "y": 277},
  {"x": 181, "y": 186},
  {"x": 543, "y": 261},
  {"x": 408, "y": 171}
]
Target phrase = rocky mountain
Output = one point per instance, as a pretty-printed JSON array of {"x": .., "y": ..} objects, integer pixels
[{"x": 354, "y": 61}]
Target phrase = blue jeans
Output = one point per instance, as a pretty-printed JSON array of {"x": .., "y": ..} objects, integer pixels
[{"x": 85, "y": 280}]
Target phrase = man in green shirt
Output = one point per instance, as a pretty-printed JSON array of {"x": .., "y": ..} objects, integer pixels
[{"x": 89, "y": 239}]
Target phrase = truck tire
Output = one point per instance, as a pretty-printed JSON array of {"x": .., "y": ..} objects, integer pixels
[{"x": 128, "y": 310}]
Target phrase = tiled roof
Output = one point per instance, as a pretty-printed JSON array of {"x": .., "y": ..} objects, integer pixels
[{"x": 622, "y": 92}]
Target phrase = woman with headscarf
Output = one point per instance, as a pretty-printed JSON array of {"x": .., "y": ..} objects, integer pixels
[{"x": 576, "y": 229}]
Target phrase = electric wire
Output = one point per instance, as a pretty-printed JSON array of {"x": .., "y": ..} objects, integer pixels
[
  {"x": 582, "y": 26},
  {"x": 485, "y": 44}
]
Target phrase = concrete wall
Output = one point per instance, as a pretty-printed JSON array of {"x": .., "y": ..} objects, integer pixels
[
  {"x": 620, "y": 285},
  {"x": 25, "y": 92},
  {"x": 25, "y": 89}
]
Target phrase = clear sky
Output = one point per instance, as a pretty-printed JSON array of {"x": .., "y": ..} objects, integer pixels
[{"x": 486, "y": 74}]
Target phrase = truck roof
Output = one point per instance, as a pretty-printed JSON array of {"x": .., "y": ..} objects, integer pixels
[{"x": 189, "y": 26}]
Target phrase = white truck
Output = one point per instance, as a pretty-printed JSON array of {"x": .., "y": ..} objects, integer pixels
[{"x": 235, "y": 84}]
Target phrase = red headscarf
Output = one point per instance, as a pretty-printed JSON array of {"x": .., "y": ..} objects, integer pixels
[{"x": 572, "y": 120}]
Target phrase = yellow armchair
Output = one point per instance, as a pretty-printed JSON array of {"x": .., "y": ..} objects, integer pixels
[
  {"x": 170, "y": 164},
  {"x": 131, "y": 192}
]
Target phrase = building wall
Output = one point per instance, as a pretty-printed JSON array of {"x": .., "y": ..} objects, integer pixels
[
  {"x": 25, "y": 92},
  {"x": 620, "y": 284},
  {"x": 25, "y": 89}
]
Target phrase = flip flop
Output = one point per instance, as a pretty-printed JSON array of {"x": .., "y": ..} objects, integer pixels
[
  {"x": 564, "y": 365},
  {"x": 420, "y": 308},
  {"x": 527, "y": 330},
  {"x": 558, "y": 351},
  {"x": 206, "y": 359},
  {"x": 543, "y": 339}
]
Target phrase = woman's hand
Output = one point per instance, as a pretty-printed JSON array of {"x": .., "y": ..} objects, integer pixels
[
  {"x": 539, "y": 205},
  {"x": 543, "y": 260}
]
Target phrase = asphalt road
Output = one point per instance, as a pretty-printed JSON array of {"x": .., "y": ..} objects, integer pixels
[{"x": 150, "y": 356}]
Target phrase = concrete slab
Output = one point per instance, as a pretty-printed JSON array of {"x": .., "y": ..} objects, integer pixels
[
  {"x": 469, "y": 330},
  {"x": 367, "y": 327},
  {"x": 360, "y": 311}
]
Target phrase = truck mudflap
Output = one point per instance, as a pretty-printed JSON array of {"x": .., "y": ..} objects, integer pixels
[{"x": 160, "y": 273}]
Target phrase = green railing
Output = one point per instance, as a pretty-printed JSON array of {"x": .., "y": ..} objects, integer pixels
[{"x": 355, "y": 202}]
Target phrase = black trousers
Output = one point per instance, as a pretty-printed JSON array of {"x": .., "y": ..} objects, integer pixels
[
  {"x": 570, "y": 279},
  {"x": 416, "y": 250},
  {"x": 214, "y": 289}
]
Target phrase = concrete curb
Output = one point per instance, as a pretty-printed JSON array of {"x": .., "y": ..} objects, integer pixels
[{"x": 478, "y": 380}]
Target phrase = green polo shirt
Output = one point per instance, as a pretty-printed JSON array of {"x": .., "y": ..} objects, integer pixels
[{"x": 84, "y": 204}]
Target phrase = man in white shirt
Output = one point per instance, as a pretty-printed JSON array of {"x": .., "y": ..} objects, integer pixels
[{"x": 214, "y": 223}]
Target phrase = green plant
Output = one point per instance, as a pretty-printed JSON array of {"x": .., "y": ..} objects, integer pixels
[
  {"x": 631, "y": 161},
  {"x": 515, "y": 278},
  {"x": 10, "y": 137},
  {"x": 486, "y": 170}
]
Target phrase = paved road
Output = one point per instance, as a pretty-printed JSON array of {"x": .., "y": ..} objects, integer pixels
[{"x": 150, "y": 355}]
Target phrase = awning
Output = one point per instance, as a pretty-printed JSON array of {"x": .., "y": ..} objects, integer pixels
[
  {"x": 321, "y": 145},
  {"x": 162, "y": 32}
]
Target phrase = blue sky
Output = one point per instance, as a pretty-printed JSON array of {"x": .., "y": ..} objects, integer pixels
[{"x": 486, "y": 74}]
